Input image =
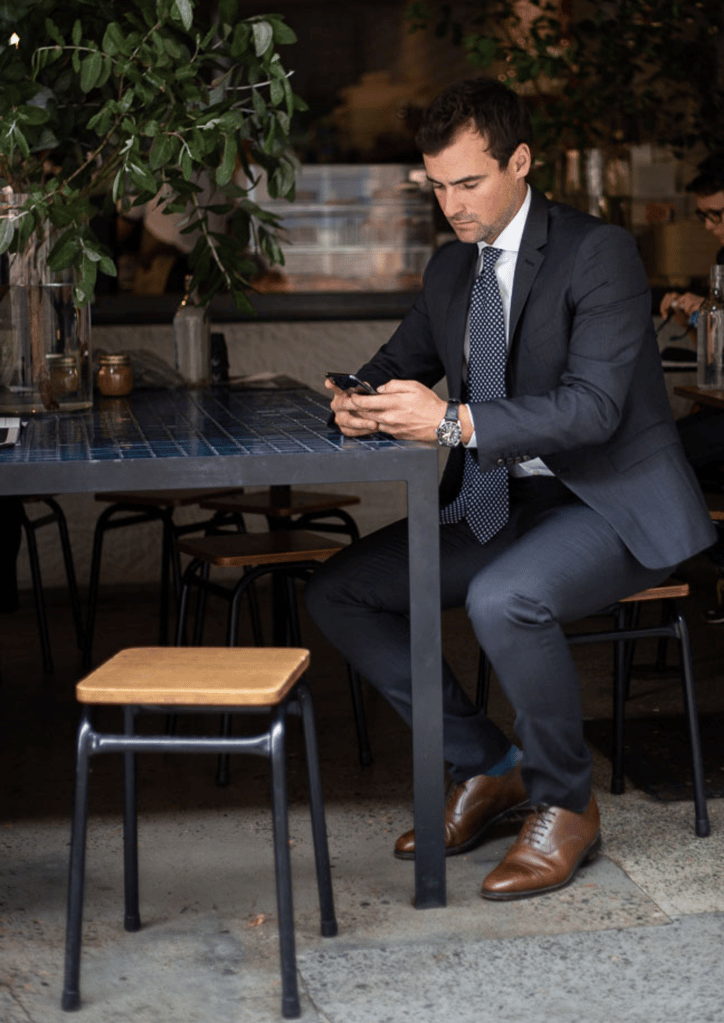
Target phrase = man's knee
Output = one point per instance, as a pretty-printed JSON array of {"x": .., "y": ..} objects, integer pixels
[{"x": 495, "y": 605}]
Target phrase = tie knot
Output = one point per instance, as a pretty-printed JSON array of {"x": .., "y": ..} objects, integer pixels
[{"x": 490, "y": 258}]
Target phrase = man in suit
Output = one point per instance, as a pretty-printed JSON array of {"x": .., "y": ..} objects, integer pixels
[{"x": 566, "y": 487}]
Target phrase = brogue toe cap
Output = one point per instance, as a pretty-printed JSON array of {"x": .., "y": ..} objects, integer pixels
[{"x": 405, "y": 845}]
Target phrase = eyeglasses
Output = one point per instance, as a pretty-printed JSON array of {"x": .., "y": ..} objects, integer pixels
[{"x": 713, "y": 216}]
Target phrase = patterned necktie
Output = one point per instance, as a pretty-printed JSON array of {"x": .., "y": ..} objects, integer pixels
[{"x": 483, "y": 497}]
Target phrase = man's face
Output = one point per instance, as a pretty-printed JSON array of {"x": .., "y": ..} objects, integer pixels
[
  {"x": 710, "y": 209},
  {"x": 476, "y": 196}
]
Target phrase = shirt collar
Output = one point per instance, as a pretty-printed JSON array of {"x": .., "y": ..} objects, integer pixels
[{"x": 510, "y": 237}]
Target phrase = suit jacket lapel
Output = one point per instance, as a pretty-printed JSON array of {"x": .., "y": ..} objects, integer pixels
[{"x": 530, "y": 258}]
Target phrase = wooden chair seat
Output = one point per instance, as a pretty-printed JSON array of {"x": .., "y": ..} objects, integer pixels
[
  {"x": 279, "y": 502},
  {"x": 671, "y": 590},
  {"x": 715, "y": 504},
  {"x": 199, "y": 680},
  {"x": 196, "y": 676},
  {"x": 246, "y": 549}
]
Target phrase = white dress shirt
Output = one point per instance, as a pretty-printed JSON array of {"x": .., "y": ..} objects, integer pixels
[{"x": 508, "y": 241}]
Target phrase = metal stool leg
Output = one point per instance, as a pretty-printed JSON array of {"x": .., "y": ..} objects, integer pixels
[
  {"x": 328, "y": 921},
  {"x": 69, "y": 568},
  {"x": 167, "y": 552},
  {"x": 702, "y": 826},
  {"x": 482, "y": 690},
  {"x": 621, "y": 670},
  {"x": 95, "y": 572},
  {"x": 360, "y": 717},
  {"x": 76, "y": 882},
  {"x": 38, "y": 595},
  {"x": 132, "y": 917},
  {"x": 280, "y": 819}
]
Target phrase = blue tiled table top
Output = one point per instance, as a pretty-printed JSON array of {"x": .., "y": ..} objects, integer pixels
[{"x": 187, "y": 423}]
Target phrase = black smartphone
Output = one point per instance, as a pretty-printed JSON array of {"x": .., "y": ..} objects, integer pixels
[{"x": 351, "y": 382}]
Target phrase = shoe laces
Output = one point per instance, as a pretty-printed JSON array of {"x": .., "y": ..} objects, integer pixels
[{"x": 537, "y": 826}]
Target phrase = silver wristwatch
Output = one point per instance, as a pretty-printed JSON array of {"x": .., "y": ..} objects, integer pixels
[{"x": 450, "y": 432}]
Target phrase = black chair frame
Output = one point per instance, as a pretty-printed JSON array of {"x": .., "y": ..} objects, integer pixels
[
  {"x": 30, "y": 527},
  {"x": 626, "y": 632},
  {"x": 121, "y": 514},
  {"x": 287, "y": 631},
  {"x": 270, "y": 744}
]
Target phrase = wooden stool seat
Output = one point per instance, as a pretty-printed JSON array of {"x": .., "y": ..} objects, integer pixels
[
  {"x": 279, "y": 502},
  {"x": 196, "y": 676},
  {"x": 162, "y": 498},
  {"x": 141, "y": 679},
  {"x": 244, "y": 549},
  {"x": 285, "y": 507},
  {"x": 671, "y": 590}
]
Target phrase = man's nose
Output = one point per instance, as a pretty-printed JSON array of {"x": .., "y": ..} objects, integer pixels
[{"x": 452, "y": 204}]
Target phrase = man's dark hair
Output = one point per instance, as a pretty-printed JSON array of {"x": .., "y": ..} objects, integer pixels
[
  {"x": 710, "y": 178},
  {"x": 494, "y": 110}
]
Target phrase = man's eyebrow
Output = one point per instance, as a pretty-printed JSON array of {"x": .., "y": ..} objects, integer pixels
[{"x": 459, "y": 181}]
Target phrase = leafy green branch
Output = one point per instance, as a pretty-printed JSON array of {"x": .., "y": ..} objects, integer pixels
[
  {"x": 620, "y": 71},
  {"x": 122, "y": 102}
]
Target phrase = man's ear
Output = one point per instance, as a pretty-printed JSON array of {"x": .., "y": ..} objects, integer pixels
[{"x": 521, "y": 160}]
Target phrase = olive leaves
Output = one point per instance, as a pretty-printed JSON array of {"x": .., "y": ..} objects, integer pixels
[{"x": 137, "y": 98}]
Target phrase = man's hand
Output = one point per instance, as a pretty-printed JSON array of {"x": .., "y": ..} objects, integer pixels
[
  {"x": 346, "y": 416},
  {"x": 405, "y": 409},
  {"x": 682, "y": 306}
]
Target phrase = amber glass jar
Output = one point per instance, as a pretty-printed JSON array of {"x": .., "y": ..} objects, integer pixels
[
  {"x": 115, "y": 375},
  {"x": 64, "y": 375}
]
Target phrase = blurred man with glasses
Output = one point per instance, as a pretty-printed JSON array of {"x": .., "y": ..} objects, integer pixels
[
  {"x": 702, "y": 431},
  {"x": 708, "y": 187}
]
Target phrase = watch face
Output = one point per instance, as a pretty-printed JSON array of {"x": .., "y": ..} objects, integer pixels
[{"x": 449, "y": 433}]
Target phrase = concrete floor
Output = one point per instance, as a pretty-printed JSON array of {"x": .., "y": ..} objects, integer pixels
[{"x": 637, "y": 937}]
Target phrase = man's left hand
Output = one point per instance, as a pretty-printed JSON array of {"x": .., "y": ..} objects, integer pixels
[{"x": 406, "y": 409}]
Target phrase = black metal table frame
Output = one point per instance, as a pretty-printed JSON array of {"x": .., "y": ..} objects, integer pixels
[{"x": 414, "y": 464}]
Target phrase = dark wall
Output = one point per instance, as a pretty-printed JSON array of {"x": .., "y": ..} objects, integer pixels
[{"x": 338, "y": 40}]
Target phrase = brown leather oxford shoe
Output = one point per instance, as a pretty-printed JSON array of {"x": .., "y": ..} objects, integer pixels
[
  {"x": 472, "y": 808},
  {"x": 553, "y": 843}
]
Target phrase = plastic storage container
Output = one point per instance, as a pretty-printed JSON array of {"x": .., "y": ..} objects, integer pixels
[{"x": 366, "y": 227}]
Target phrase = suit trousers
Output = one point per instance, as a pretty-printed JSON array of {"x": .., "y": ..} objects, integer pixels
[{"x": 555, "y": 561}]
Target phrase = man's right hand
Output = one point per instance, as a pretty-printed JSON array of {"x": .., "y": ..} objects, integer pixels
[
  {"x": 681, "y": 305},
  {"x": 346, "y": 416}
]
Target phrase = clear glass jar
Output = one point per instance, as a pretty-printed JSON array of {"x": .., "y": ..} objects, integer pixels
[
  {"x": 115, "y": 375},
  {"x": 710, "y": 333}
]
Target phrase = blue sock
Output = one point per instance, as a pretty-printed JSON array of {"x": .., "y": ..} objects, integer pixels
[{"x": 509, "y": 761}]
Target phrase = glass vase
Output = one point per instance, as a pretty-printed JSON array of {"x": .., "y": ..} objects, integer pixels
[{"x": 45, "y": 347}]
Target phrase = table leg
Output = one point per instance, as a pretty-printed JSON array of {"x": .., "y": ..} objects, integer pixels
[{"x": 428, "y": 768}]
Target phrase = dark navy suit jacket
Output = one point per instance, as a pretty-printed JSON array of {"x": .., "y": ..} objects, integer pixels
[{"x": 585, "y": 385}]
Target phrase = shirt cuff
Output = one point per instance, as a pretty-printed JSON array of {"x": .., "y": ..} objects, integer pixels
[{"x": 472, "y": 443}]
